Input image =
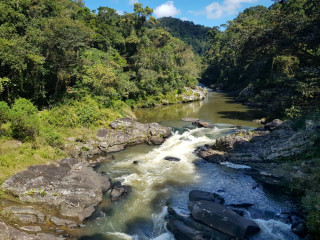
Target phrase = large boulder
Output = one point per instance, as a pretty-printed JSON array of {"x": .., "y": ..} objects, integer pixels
[
  {"x": 194, "y": 94},
  {"x": 123, "y": 132},
  {"x": 72, "y": 187},
  {"x": 186, "y": 228},
  {"x": 273, "y": 125},
  {"x": 126, "y": 131},
  {"x": 222, "y": 219}
]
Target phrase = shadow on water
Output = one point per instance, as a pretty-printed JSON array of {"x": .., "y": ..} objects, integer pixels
[
  {"x": 251, "y": 113},
  {"x": 94, "y": 237}
]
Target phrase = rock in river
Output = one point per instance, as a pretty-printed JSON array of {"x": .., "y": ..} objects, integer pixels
[
  {"x": 172, "y": 159},
  {"x": 222, "y": 219},
  {"x": 202, "y": 124},
  {"x": 189, "y": 119},
  {"x": 196, "y": 195},
  {"x": 186, "y": 228},
  {"x": 119, "y": 191}
]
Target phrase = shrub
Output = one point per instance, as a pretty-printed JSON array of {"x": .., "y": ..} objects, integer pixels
[
  {"x": 24, "y": 120},
  {"x": 88, "y": 112},
  {"x": 4, "y": 112},
  {"x": 52, "y": 137}
]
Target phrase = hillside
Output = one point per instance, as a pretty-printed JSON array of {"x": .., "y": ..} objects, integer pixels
[
  {"x": 273, "y": 53},
  {"x": 193, "y": 34}
]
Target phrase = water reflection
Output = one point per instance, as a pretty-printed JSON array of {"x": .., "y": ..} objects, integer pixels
[{"x": 217, "y": 108}]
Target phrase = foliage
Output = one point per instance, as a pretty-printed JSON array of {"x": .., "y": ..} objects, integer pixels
[
  {"x": 276, "y": 50},
  {"x": 193, "y": 34},
  {"x": 24, "y": 120},
  {"x": 4, "y": 112},
  {"x": 56, "y": 50}
]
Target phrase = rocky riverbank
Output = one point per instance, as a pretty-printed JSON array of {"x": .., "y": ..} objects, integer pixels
[
  {"x": 122, "y": 133},
  {"x": 52, "y": 200},
  {"x": 263, "y": 149},
  {"x": 281, "y": 159}
]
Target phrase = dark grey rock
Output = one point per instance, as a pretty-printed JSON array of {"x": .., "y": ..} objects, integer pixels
[
  {"x": 196, "y": 195},
  {"x": 172, "y": 159},
  {"x": 299, "y": 227},
  {"x": 120, "y": 192},
  {"x": 185, "y": 227},
  {"x": 222, "y": 219},
  {"x": 273, "y": 125}
]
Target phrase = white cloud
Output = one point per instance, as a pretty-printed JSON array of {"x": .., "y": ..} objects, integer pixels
[
  {"x": 132, "y": 2},
  {"x": 184, "y": 19},
  {"x": 166, "y": 10},
  {"x": 120, "y": 12},
  {"x": 216, "y": 10}
]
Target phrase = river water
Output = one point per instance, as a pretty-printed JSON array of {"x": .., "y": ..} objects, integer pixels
[{"x": 158, "y": 183}]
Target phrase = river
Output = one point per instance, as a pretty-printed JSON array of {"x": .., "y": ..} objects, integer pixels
[{"x": 158, "y": 183}]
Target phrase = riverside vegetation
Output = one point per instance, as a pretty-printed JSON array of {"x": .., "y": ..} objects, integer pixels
[{"x": 66, "y": 71}]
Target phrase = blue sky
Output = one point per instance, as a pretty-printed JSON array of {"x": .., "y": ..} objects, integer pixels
[{"x": 206, "y": 12}]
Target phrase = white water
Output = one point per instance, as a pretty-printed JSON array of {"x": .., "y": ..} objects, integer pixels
[{"x": 156, "y": 181}]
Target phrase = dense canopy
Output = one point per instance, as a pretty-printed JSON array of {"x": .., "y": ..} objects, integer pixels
[{"x": 274, "y": 53}]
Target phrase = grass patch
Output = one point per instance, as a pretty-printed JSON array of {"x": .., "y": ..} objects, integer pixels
[{"x": 15, "y": 157}]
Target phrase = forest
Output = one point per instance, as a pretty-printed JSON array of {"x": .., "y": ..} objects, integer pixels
[
  {"x": 273, "y": 53},
  {"x": 66, "y": 70},
  {"x": 61, "y": 58},
  {"x": 194, "y": 35}
]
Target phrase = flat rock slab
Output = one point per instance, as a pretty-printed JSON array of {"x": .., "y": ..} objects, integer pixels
[
  {"x": 25, "y": 215},
  {"x": 31, "y": 228},
  {"x": 63, "y": 222},
  {"x": 72, "y": 187},
  {"x": 10, "y": 233}
]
